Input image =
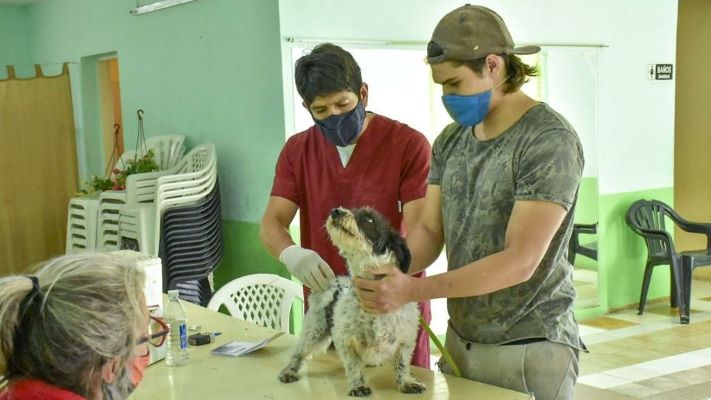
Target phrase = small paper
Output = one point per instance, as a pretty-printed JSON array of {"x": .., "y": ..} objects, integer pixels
[{"x": 237, "y": 349}]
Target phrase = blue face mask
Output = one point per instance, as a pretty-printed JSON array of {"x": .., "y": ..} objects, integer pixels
[
  {"x": 469, "y": 110},
  {"x": 342, "y": 129}
]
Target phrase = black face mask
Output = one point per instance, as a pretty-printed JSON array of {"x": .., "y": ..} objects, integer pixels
[{"x": 342, "y": 129}]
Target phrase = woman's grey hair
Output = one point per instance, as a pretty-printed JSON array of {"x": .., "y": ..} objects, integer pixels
[{"x": 86, "y": 312}]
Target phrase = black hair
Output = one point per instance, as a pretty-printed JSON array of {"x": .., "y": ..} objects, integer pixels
[{"x": 327, "y": 69}]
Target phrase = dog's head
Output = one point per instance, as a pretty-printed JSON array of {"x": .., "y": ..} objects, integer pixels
[{"x": 366, "y": 239}]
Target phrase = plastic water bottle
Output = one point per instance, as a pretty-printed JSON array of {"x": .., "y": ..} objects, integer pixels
[{"x": 177, "y": 346}]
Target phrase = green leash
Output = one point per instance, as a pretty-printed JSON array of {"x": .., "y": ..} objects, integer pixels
[{"x": 441, "y": 348}]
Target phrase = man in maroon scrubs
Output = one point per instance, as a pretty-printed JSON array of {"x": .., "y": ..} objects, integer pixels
[{"x": 349, "y": 158}]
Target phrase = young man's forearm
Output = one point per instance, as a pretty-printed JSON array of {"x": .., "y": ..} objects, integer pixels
[
  {"x": 425, "y": 246},
  {"x": 495, "y": 272}
]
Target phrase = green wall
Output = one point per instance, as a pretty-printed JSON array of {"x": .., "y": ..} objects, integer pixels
[
  {"x": 14, "y": 32},
  {"x": 586, "y": 210},
  {"x": 244, "y": 253},
  {"x": 210, "y": 70}
]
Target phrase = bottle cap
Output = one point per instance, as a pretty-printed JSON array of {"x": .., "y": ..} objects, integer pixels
[{"x": 172, "y": 294}]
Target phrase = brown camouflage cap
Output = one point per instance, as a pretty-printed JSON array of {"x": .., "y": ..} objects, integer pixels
[{"x": 472, "y": 32}]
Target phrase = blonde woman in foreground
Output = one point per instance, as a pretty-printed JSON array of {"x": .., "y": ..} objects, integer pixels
[{"x": 75, "y": 329}]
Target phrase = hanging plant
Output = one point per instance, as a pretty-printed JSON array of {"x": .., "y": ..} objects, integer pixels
[
  {"x": 96, "y": 185},
  {"x": 140, "y": 164}
]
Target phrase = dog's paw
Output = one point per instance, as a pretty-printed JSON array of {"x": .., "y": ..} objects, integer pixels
[
  {"x": 288, "y": 376},
  {"x": 412, "y": 387},
  {"x": 360, "y": 391}
]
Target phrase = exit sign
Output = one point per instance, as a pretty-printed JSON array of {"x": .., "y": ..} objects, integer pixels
[{"x": 660, "y": 72}]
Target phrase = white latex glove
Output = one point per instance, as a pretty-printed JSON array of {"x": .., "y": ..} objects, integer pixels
[{"x": 307, "y": 266}]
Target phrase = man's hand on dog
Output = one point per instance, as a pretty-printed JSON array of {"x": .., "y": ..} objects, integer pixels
[{"x": 390, "y": 290}]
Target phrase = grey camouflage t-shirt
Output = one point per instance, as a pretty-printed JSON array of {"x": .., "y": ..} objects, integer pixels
[{"x": 538, "y": 158}]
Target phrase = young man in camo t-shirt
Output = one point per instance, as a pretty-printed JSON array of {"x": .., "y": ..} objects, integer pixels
[{"x": 501, "y": 193}]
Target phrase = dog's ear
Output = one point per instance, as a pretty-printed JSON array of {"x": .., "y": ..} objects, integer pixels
[
  {"x": 397, "y": 245},
  {"x": 381, "y": 245}
]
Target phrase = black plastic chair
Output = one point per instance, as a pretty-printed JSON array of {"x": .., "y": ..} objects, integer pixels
[
  {"x": 191, "y": 246},
  {"x": 646, "y": 218},
  {"x": 574, "y": 246}
]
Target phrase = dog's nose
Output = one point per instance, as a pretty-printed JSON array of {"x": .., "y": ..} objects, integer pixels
[{"x": 337, "y": 213}]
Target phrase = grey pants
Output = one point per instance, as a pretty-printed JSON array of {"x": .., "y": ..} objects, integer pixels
[{"x": 545, "y": 369}]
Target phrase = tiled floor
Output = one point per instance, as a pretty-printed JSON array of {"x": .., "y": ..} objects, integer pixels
[
  {"x": 649, "y": 356},
  {"x": 585, "y": 281}
]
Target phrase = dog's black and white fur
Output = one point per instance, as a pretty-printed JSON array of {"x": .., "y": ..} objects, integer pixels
[{"x": 366, "y": 240}]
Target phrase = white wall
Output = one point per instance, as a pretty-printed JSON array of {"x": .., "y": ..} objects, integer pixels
[
  {"x": 570, "y": 86},
  {"x": 636, "y": 116}
]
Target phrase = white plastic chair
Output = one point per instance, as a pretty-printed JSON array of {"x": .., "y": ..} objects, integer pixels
[
  {"x": 107, "y": 223},
  {"x": 137, "y": 223},
  {"x": 265, "y": 299},
  {"x": 195, "y": 176},
  {"x": 82, "y": 214},
  {"x": 167, "y": 149}
]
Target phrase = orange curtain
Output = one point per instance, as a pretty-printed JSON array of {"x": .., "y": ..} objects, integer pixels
[{"x": 38, "y": 167}]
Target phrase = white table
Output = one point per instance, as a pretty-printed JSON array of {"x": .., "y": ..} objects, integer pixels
[{"x": 254, "y": 376}]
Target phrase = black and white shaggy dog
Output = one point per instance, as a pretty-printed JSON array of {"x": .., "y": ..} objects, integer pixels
[{"x": 366, "y": 240}]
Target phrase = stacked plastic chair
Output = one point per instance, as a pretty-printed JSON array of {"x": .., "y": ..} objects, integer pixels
[
  {"x": 140, "y": 188},
  {"x": 183, "y": 225},
  {"x": 187, "y": 183},
  {"x": 197, "y": 292},
  {"x": 174, "y": 212},
  {"x": 191, "y": 247},
  {"x": 92, "y": 223},
  {"x": 81, "y": 224}
]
